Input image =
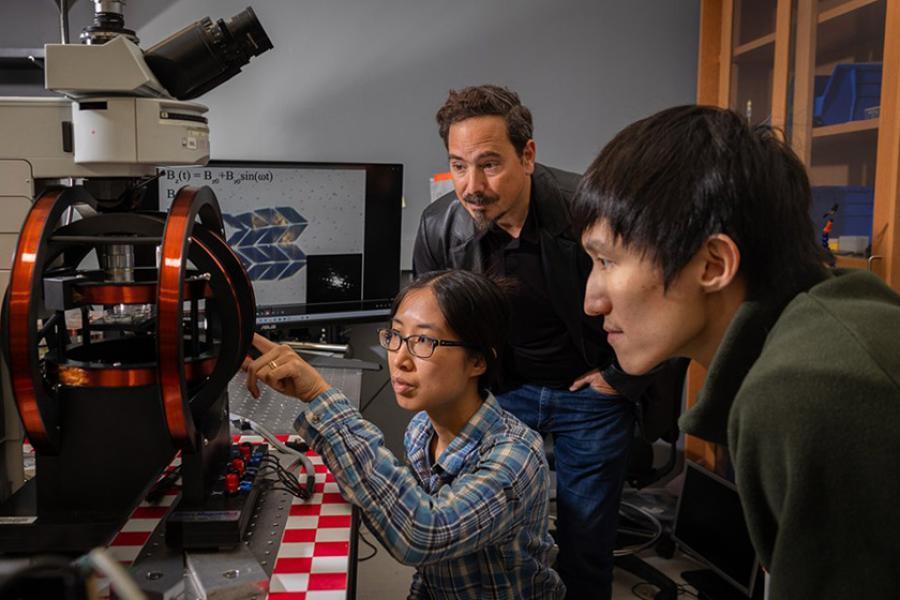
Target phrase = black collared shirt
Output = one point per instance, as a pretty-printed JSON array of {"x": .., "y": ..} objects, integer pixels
[{"x": 540, "y": 349}]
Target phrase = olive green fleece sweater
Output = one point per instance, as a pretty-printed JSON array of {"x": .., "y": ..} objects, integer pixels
[{"x": 808, "y": 402}]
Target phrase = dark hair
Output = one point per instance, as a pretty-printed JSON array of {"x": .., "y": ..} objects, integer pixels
[
  {"x": 483, "y": 100},
  {"x": 475, "y": 309},
  {"x": 666, "y": 183}
]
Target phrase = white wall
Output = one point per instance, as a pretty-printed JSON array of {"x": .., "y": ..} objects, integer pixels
[{"x": 361, "y": 80}]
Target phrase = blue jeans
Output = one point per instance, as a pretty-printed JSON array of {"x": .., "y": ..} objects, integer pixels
[{"x": 591, "y": 437}]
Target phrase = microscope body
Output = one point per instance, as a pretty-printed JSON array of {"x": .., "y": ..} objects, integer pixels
[{"x": 121, "y": 325}]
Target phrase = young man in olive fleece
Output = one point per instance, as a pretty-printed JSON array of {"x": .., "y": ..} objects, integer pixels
[{"x": 702, "y": 246}]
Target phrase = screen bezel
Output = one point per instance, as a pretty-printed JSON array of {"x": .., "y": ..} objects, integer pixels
[
  {"x": 384, "y": 183},
  {"x": 752, "y": 575}
]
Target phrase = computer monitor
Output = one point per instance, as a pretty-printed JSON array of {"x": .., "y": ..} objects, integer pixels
[
  {"x": 709, "y": 524},
  {"x": 320, "y": 241}
]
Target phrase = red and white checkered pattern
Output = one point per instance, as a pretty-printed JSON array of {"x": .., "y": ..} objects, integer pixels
[{"x": 313, "y": 562}]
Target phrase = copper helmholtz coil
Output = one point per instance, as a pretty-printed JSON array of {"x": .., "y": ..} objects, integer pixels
[{"x": 153, "y": 349}]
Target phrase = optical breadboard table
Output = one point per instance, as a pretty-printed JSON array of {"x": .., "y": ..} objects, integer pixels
[{"x": 307, "y": 549}]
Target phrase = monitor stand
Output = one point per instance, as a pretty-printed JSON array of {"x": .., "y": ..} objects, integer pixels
[{"x": 710, "y": 586}]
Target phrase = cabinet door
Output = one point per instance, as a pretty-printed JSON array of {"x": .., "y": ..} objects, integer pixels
[
  {"x": 845, "y": 125},
  {"x": 759, "y": 49},
  {"x": 886, "y": 219}
]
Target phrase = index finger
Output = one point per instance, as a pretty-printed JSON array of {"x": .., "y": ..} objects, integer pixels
[
  {"x": 263, "y": 344},
  {"x": 578, "y": 384}
]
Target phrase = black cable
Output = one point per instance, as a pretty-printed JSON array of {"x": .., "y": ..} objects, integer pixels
[
  {"x": 274, "y": 462},
  {"x": 292, "y": 492},
  {"x": 288, "y": 479},
  {"x": 375, "y": 395},
  {"x": 281, "y": 478},
  {"x": 290, "y": 489},
  {"x": 284, "y": 477},
  {"x": 363, "y": 539},
  {"x": 290, "y": 482}
]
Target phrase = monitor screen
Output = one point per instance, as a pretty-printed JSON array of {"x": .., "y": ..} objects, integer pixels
[
  {"x": 320, "y": 241},
  {"x": 709, "y": 523}
]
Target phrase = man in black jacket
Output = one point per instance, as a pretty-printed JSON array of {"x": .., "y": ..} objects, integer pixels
[{"x": 509, "y": 217}]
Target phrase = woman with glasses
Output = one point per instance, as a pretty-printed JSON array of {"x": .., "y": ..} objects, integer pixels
[{"x": 469, "y": 510}]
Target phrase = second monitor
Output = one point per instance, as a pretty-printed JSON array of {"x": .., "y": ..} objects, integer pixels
[{"x": 320, "y": 241}]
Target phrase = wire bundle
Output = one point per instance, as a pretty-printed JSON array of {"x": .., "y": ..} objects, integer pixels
[{"x": 287, "y": 481}]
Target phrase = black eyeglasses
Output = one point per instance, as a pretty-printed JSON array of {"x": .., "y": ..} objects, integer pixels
[{"x": 421, "y": 346}]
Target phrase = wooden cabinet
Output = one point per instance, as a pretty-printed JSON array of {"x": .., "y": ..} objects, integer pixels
[
  {"x": 860, "y": 152},
  {"x": 764, "y": 58},
  {"x": 756, "y": 74}
]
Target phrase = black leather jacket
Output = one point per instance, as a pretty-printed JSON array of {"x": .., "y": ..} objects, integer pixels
[{"x": 446, "y": 240}]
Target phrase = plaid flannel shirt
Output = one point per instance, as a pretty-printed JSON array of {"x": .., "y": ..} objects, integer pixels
[{"x": 474, "y": 524}]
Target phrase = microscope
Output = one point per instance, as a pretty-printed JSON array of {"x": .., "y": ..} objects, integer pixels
[{"x": 121, "y": 325}]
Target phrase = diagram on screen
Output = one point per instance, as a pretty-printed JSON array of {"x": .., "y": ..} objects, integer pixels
[{"x": 266, "y": 241}]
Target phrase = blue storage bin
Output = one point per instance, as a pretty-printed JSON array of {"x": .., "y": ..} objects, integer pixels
[
  {"x": 819, "y": 85},
  {"x": 851, "y": 89},
  {"x": 855, "y": 209}
]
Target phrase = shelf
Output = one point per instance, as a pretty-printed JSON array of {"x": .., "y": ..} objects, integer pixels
[
  {"x": 756, "y": 44},
  {"x": 843, "y": 8},
  {"x": 846, "y": 261},
  {"x": 753, "y": 19},
  {"x": 846, "y": 128},
  {"x": 851, "y": 31}
]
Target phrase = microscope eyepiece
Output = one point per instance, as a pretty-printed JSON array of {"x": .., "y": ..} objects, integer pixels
[
  {"x": 203, "y": 55},
  {"x": 247, "y": 33}
]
